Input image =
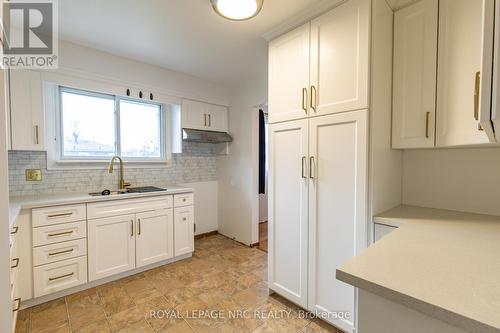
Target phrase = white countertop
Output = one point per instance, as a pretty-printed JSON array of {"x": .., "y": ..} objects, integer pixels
[
  {"x": 16, "y": 204},
  {"x": 444, "y": 264}
]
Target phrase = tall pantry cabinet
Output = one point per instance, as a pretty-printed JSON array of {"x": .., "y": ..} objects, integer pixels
[{"x": 318, "y": 110}]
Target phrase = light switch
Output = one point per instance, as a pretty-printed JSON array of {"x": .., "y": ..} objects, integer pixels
[{"x": 33, "y": 175}]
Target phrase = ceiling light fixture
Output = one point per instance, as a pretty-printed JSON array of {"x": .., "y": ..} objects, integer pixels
[{"x": 237, "y": 10}]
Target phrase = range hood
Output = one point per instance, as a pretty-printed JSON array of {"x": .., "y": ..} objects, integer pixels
[{"x": 192, "y": 135}]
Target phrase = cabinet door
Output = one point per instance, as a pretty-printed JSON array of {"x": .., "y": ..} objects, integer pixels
[
  {"x": 111, "y": 246},
  {"x": 26, "y": 111},
  {"x": 155, "y": 236},
  {"x": 337, "y": 208},
  {"x": 217, "y": 118},
  {"x": 183, "y": 230},
  {"x": 414, "y": 89},
  {"x": 288, "y": 178},
  {"x": 289, "y": 75},
  {"x": 339, "y": 59},
  {"x": 464, "y": 70},
  {"x": 194, "y": 115}
]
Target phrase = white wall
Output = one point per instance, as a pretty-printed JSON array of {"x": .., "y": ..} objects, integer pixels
[
  {"x": 238, "y": 172},
  {"x": 205, "y": 206},
  {"x": 458, "y": 179}
]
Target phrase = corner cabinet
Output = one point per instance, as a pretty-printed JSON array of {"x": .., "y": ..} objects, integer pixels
[
  {"x": 321, "y": 67},
  {"x": 204, "y": 116}
]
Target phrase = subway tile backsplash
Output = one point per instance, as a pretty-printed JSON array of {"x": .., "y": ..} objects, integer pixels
[{"x": 197, "y": 163}]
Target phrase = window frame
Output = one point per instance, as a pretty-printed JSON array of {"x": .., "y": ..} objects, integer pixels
[{"x": 62, "y": 158}]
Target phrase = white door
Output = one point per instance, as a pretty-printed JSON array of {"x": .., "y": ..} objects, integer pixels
[
  {"x": 194, "y": 114},
  {"x": 217, "y": 118},
  {"x": 26, "y": 112},
  {"x": 111, "y": 246},
  {"x": 464, "y": 70},
  {"x": 337, "y": 208},
  {"x": 289, "y": 75},
  {"x": 288, "y": 178},
  {"x": 339, "y": 59},
  {"x": 154, "y": 236},
  {"x": 183, "y": 230},
  {"x": 414, "y": 88}
]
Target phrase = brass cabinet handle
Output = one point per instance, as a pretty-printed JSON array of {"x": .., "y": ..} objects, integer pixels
[
  {"x": 60, "y": 233},
  {"x": 313, "y": 98},
  {"x": 304, "y": 160},
  {"x": 16, "y": 260},
  {"x": 60, "y": 252},
  {"x": 36, "y": 135},
  {"x": 304, "y": 99},
  {"x": 311, "y": 165},
  {"x": 17, "y": 306},
  {"x": 427, "y": 117},
  {"x": 209, "y": 120},
  {"x": 62, "y": 276},
  {"x": 477, "y": 89},
  {"x": 14, "y": 230},
  {"x": 184, "y": 219},
  {"x": 131, "y": 228},
  {"x": 59, "y": 215},
  {"x": 204, "y": 119},
  {"x": 138, "y": 226}
]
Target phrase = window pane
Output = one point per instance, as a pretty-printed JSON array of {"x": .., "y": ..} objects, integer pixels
[
  {"x": 140, "y": 130},
  {"x": 88, "y": 125}
]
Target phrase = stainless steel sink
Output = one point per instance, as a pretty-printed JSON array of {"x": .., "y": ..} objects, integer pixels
[
  {"x": 143, "y": 189},
  {"x": 104, "y": 193}
]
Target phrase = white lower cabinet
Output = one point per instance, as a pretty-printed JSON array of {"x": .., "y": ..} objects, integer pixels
[
  {"x": 59, "y": 275},
  {"x": 184, "y": 230},
  {"x": 317, "y": 210},
  {"x": 155, "y": 239},
  {"x": 111, "y": 246}
]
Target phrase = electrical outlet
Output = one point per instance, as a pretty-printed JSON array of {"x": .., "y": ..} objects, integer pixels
[{"x": 33, "y": 175}]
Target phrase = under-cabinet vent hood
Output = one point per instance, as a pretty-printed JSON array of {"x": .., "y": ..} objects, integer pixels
[{"x": 193, "y": 135}]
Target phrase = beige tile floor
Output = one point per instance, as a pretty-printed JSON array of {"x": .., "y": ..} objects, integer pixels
[{"x": 223, "y": 277}]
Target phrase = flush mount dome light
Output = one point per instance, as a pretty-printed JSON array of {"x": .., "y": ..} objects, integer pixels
[{"x": 237, "y": 10}]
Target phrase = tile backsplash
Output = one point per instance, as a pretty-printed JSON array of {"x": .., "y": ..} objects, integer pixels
[{"x": 197, "y": 163}]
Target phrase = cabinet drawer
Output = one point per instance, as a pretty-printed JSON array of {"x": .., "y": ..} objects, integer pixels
[
  {"x": 59, "y": 233},
  {"x": 128, "y": 206},
  {"x": 58, "y": 214},
  {"x": 59, "y": 275},
  {"x": 61, "y": 251},
  {"x": 183, "y": 199}
]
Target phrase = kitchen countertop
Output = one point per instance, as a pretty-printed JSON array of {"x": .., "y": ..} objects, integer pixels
[
  {"x": 444, "y": 264},
  {"x": 16, "y": 204}
]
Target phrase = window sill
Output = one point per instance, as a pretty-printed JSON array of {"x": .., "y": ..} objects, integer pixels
[{"x": 103, "y": 164}]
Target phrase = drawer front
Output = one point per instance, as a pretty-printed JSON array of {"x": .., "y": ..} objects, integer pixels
[
  {"x": 128, "y": 206},
  {"x": 59, "y": 275},
  {"x": 181, "y": 200},
  {"x": 59, "y": 233},
  {"x": 58, "y": 214},
  {"x": 61, "y": 251}
]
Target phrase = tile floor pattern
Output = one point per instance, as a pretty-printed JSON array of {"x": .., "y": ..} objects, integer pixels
[{"x": 222, "y": 275}]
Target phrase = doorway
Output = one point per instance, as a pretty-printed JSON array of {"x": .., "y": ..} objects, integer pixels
[{"x": 263, "y": 173}]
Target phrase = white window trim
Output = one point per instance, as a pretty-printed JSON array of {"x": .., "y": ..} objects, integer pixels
[{"x": 51, "y": 94}]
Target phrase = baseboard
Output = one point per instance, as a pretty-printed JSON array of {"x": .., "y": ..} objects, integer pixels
[
  {"x": 206, "y": 234},
  {"x": 254, "y": 244}
]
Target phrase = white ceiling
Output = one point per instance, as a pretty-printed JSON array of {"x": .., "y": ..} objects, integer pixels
[{"x": 183, "y": 35}]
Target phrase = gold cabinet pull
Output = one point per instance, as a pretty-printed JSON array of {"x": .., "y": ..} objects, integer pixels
[
  {"x": 62, "y": 276},
  {"x": 313, "y": 98},
  {"x": 16, "y": 260},
  {"x": 60, "y": 233},
  {"x": 36, "y": 135},
  {"x": 131, "y": 228},
  {"x": 477, "y": 89},
  {"x": 60, "y": 252},
  {"x": 427, "y": 118},
  {"x": 14, "y": 230},
  {"x": 59, "y": 215},
  {"x": 16, "y": 308},
  {"x": 304, "y": 99},
  {"x": 204, "y": 119},
  {"x": 138, "y": 227},
  {"x": 311, "y": 166},
  {"x": 304, "y": 160},
  {"x": 209, "y": 120},
  {"x": 184, "y": 219}
]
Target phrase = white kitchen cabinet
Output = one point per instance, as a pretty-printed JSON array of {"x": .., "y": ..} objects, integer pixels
[
  {"x": 465, "y": 72},
  {"x": 111, "y": 246},
  {"x": 183, "y": 230},
  {"x": 289, "y": 75},
  {"x": 337, "y": 208},
  {"x": 204, "y": 116},
  {"x": 288, "y": 204},
  {"x": 340, "y": 58},
  {"x": 154, "y": 237},
  {"x": 60, "y": 275},
  {"x": 414, "y": 75},
  {"x": 26, "y": 110}
]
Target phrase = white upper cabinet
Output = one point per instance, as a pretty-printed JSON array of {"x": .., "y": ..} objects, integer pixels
[
  {"x": 340, "y": 58},
  {"x": 464, "y": 72},
  {"x": 26, "y": 110},
  {"x": 289, "y": 75},
  {"x": 204, "y": 116},
  {"x": 414, "y": 98}
]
